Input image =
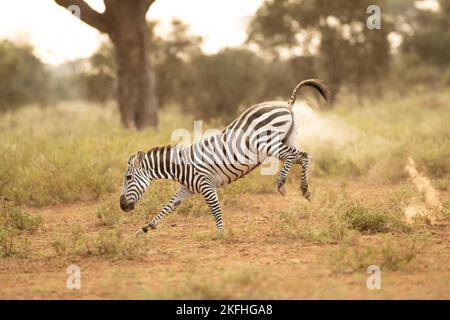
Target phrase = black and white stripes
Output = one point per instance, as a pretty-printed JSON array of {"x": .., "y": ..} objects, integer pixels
[{"x": 264, "y": 130}]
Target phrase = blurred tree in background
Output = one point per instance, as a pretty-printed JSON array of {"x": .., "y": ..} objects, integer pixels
[
  {"x": 204, "y": 85},
  {"x": 430, "y": 39},
  {"x": 125, "y": 24},
  {"x": 222, "y": 82},
  {"x": 171, "y": 57},
  {"x": 334, "y": 33},
  {"x": 23, "y": 78},
  {"x": 424, "y": 56},
  {"x": 287, "y": 41},
  {"x": 99, "y": 80}
]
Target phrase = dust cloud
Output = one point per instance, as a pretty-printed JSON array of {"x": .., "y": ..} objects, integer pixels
[
  {"x": 315, "y": 127},
  {"x": 431, "y": 204}
]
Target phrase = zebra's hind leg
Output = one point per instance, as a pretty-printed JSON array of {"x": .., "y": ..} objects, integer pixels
[
  {"x": 281, "y": 179},
  {"x": 290, "y": 156},
  {"x": 209, "y": 192},
  {"x": 182, "y": 194},
  {"x": 303, "y": 158}
]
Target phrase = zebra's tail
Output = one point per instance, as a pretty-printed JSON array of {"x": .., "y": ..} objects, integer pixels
[
  {"x": 314, "y": 83},
  {"x": 302, "y": 112}
]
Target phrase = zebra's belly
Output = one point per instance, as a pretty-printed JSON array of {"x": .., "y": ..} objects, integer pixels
[{"x": 224, "y": 177}]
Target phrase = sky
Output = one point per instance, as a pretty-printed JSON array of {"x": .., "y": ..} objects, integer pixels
[{"x": 58, "y": 37}]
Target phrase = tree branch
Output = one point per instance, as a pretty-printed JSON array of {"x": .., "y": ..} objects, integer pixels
[
  {"x": 148, "y": 3},
  {"x": 88, "y": 15}
]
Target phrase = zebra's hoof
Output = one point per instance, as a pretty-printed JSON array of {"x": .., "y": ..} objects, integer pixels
[
  {"x": 141, "y": 232},
  {"x": 219, "y": 235},
  {"x": 308, "y": 195},
  {"x": 282, "y": 191}
]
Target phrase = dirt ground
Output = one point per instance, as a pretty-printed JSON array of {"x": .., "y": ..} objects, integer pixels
[{"x": 185, "y": 261}]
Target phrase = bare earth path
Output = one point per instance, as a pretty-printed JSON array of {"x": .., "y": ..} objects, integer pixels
[{"x": 186, "y": 262}]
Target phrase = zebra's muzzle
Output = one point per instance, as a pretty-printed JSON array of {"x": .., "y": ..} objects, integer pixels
[{"x": 124, "y": 205}]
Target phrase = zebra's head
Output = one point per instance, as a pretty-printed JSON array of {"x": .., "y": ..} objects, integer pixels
[{"x": 136, "y": 181}]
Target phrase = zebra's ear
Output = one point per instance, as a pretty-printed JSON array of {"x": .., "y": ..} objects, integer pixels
[{"x": 138, "y": 158}]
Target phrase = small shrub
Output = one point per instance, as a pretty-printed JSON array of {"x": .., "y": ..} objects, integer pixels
[
  {"x": 113, "y": 243},
  {"x": 446, "y": 210},
  {"x": 13, "y": 243},
  {"x": 315, "y": 223},
  {"x": 108, "y": 212},
  {"x": 361, "y": 217},
  {"x": 396, "y": 257},
  {"x": 13, "y": 223},
  {"x": 60, "y": 246},
  {"x": 7, "y": 241},
  {"x": 352, "y": 255},
  {"x": 371, "y": 219},
  {"x": 12, "y": 217},
  {"x": 441, "y": 184}
]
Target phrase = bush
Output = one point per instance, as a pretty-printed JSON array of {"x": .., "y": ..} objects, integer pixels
[
  {"x": 223, "y": 82},
  {"x": 371, "y": 219},
  {"x": 108, "y": 212},
  {"x": 114, "y": 243},
  {"x": 330, "y": 217},
  {"x": 364, "y": 219},
  {"x": 11, "y": 217},
  {"x": 23, "y": 78},
  {"x": 353, "y": 256},
  {"x": 7, "y": 241},
  {"x": 314, "y": 222},
  {"x": 13, "y": 224}
]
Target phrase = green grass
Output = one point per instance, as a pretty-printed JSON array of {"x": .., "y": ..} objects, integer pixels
[
  {"x": 354, "y": 255},
  {"x": 330, "y": 217},
  {"x": 12, "y": 217},
  {"x": 325, "y": 227},
  {"x": 112, "y": 243},
  {"x": 372, "y": 218},
  {"x": 15, "y": 224}
]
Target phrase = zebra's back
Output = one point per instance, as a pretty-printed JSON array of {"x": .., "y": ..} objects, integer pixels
[{"x": 242, "y": 145}]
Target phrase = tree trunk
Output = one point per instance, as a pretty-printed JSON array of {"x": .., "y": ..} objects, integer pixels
[
  {"x": 136, "y": 92},
  {"x": 124, "y": 22}
]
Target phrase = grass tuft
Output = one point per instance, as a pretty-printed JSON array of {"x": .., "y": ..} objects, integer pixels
[
  {"x": 14, "y": 224},
  {"x": 12, "y": 217},
  {"x": 114, "y": 243},
  {"x": 353, "y": 255}
]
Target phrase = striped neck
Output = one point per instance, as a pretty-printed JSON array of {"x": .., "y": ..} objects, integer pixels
[{"x": 160, "y": 163}]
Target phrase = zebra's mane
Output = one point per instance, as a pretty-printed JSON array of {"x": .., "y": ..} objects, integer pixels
[{"x": 160, "y": 147}]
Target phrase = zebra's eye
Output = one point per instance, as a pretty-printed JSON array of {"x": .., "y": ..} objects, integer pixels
[{"x": 128, "y": 177}]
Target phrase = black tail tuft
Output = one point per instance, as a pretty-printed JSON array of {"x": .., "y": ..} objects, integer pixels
[{"x": 314, "y": 83}]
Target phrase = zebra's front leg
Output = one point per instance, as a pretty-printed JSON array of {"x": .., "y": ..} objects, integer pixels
[
  {"x": 209, "y": 192},
  {"x": 182, "y": 194}
]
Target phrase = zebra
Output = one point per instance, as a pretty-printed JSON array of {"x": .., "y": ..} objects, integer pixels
[{"x": 268, "y": 129}]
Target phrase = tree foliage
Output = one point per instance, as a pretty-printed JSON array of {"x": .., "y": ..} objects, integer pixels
[
  {"x": 334, "y": 32},
  {"x": 223, "y": 82},
  {"x": 23, "y": 78},
  {"x": 430, "y": 39}
]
